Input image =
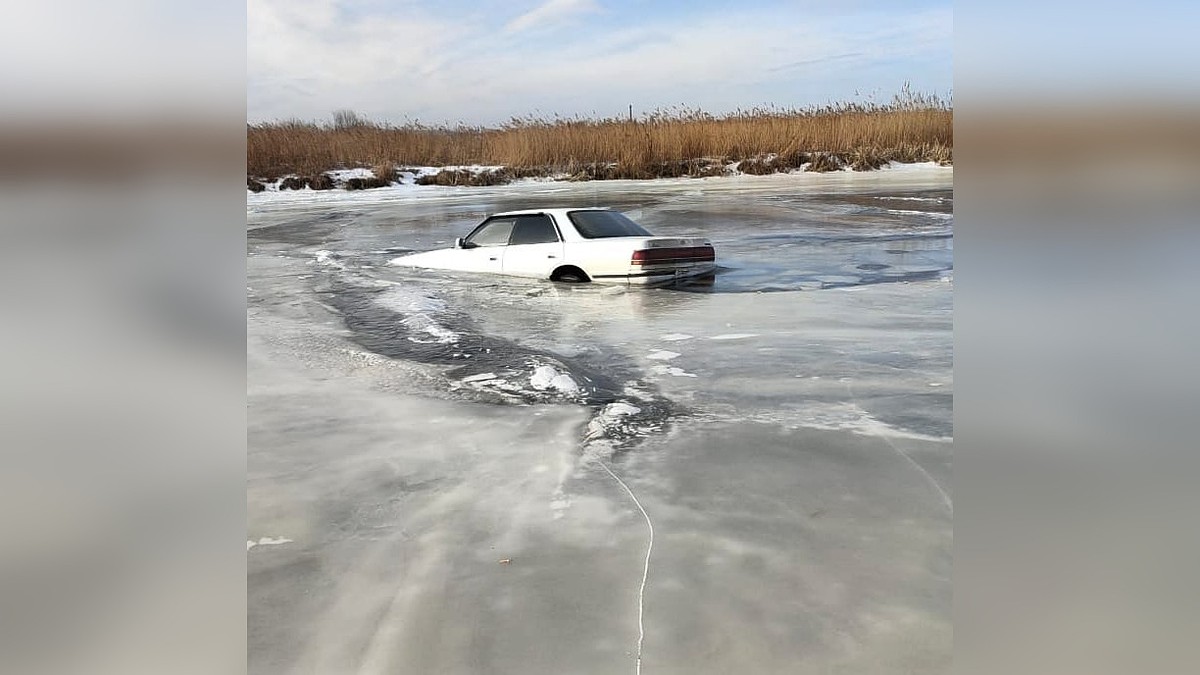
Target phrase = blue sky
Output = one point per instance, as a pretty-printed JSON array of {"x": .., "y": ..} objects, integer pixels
[{"x": 484, "y": 62}]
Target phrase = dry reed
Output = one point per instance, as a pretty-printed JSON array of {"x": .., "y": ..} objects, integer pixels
[{"x": 671, "y": 142}]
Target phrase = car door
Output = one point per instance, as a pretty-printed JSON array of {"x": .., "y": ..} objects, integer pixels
[
  {"x": 535, "y": 248},
  {"x": 483, "y": 249}
]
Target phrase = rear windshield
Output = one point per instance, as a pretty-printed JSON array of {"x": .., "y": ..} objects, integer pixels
[{"x": 600, "y": 224}]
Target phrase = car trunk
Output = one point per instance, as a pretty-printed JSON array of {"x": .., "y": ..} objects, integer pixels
[{"x": 661, "y": 252}]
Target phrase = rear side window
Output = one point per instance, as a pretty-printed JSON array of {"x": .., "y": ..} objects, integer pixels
[
  {"x": 534, "y": 230},
  {"x": 601, "y": 224},
  {"x": 492, "y": 233}
]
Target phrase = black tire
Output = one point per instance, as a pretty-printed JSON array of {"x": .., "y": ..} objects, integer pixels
[{"x": 571, "y": 275}]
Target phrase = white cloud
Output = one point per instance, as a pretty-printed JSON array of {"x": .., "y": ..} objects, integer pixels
[
  {"x": 318, "y": 41},
  {"x": 549, "y": 13},
  {"x": 308, "y": 58}
]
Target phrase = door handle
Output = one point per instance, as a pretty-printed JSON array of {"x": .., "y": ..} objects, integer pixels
[
  {"x": 491, "y": 258},
  {"x": 551, "y": 256}
]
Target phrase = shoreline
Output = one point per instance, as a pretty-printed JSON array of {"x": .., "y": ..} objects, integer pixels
[{"x": 894, "y": 174}]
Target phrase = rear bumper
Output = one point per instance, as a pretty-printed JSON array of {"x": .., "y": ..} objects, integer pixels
[{"x": 658, "y": 274}]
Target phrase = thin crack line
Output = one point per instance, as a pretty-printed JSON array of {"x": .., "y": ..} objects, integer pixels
[
  {"x": 945, "y": 497},
  {"x": 645, "y": 569},
  {"x": 949, "y": 504}
]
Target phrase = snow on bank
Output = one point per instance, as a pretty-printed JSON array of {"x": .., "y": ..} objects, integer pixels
[
  {"x": 407, "y": 189},
  {"x": 404, "y": 176}
]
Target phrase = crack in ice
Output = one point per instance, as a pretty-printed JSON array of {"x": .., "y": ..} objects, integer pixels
[
  {"x": 645, "y": 569},
  {"x": 949, "y": 504}
]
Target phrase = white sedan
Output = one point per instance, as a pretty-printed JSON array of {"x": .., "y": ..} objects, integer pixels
[{"x": 571, "y": 245}]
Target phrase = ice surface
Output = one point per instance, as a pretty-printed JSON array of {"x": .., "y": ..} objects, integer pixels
[{"x": 439, "y": 444}]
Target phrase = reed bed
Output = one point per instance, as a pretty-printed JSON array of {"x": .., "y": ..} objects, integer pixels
[{"x": 673, "y": 141}]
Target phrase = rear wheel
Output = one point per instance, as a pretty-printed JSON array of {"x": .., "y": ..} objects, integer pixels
[{"x": 569, "y": 275}]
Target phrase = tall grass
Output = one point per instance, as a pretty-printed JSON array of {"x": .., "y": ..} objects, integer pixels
[{"x": 912, "y": 127}]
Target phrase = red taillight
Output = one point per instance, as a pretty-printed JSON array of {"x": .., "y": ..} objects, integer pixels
[{"x": 679, "y": 254}]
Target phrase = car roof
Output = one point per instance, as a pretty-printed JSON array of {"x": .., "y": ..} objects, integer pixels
[{"x": 560, "y": 212}]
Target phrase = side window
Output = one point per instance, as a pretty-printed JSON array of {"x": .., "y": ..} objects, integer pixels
[
  {"x": 492, "y": 233},
  {"x": 534, "y": 230}
]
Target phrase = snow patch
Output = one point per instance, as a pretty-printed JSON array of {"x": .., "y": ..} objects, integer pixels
[
  {"x": 610, "y": 418},
  {"x": 675, "y": 337},
  {"x": 733, "y": 336},
  {"x": 343, "y": 175},
  {"x": 918, "y": 166},
  {"x": 662, "y": 355},
  {"x": 672, "y": 370},
  {"x": 620, "y": 409},
  {"x": 547, "y": 377},
  {"x": 479, "y": 378},
  {"x": 931, "y": 214},
  {"x": 266, "y": 541}
]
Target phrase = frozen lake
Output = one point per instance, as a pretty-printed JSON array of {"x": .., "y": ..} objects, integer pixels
[{"x": 451, "y": 473}]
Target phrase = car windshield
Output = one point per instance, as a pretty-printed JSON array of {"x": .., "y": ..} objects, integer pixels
[{"x": 600, "y": 224}]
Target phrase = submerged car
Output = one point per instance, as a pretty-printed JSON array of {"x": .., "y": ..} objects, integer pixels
[{"x": 572, "y": 245}]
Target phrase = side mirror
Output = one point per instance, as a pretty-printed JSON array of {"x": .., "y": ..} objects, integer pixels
[{"x": 458, "y": 242}]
